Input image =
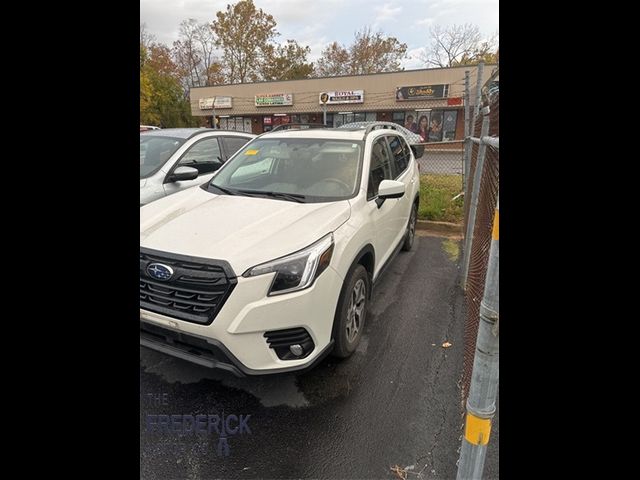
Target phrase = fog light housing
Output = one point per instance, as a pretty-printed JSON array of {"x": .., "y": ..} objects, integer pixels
[
  {"x": 296, "y": 349},
  {"x": 290, "y": 343}
]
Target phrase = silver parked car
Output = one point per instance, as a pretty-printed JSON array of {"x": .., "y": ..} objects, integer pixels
[{"x": 173, "y": 159}]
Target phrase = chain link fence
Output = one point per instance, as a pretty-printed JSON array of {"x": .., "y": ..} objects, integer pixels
[
  {"x": 481, "y": 238},
  {"x": 444, "y": 162}
]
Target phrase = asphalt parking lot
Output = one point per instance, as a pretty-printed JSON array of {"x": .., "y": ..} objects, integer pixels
[{"x": 396, "y": 401}]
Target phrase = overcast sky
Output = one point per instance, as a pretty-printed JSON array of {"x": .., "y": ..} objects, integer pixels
[{"x": 320, "y": 22}]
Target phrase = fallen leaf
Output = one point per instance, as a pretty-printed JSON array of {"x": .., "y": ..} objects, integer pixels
[
  {"x": 400, "y": 472},
  {"x": 446, "y": 345}
]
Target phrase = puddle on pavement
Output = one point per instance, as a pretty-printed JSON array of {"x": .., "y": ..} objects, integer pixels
[
  {"x": 271, "y": 390},
  {"x": 328, "y": 380}
]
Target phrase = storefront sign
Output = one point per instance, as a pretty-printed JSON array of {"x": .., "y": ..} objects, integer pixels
[
  {"x": 421, "y": 92},
  {"x": 220, "y": 102},
  {"x": 342, "y": 96},
  {"x": 266, "y": 120},
  {"x": 274, "y": 99}
]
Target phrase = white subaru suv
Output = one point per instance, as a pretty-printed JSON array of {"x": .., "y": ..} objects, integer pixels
[{"x": 270, "y": 266}]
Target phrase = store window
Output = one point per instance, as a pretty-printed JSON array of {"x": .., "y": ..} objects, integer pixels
[
  {"x": 449, "y": 125},
  {"x": 398, "y": 117},
  {"x": 238, "y": 124},
  {"x": 339, "y": 119},
  {"x": 435, "y": 127},
  {"x": 432, "y": 125}
]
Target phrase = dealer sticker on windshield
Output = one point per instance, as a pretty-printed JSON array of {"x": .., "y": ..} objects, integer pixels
[{"x": 251, "y": 152}]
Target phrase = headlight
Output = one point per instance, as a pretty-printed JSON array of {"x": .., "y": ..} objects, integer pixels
[{"x": 298, "y": 270}]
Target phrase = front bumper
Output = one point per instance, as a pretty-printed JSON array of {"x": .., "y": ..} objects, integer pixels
[
  {"x": 235, "y": 340},
  {"x": 208, "y": 352}
]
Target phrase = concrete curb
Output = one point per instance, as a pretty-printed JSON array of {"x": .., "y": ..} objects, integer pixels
[{"x": 444, "y": 227}]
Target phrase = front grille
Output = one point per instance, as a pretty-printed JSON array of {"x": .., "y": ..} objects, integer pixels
[
  {"x": 182, "y": 341},
  {"x": 281, "y": 340},
  {"x": 195, "y": 293}
]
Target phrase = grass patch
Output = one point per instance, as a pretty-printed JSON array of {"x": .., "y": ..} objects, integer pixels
[
  {"x": 436, "y": 192},
  {"x": 452, "y": 248}
]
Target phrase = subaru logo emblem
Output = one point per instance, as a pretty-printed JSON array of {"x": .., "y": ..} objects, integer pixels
[{"x": 159, "y": 271}]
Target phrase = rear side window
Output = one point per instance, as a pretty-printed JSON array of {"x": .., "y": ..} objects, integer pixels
[
  {"x": 401, "y": 155},
  {"x": 233, "y": 144},
  {"x": 381, "y": 168}
]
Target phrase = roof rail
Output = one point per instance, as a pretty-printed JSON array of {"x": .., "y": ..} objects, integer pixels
[
  {"x": 299, "y": 126},
  {"x": 380, "y": 125}
]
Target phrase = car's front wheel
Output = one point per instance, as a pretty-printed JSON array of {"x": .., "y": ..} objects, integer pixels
[
  {"x": 411, "y": 229},
  {"x": 351, "y": 313}
]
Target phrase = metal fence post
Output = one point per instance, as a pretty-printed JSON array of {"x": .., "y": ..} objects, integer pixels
[
  {"x": 475, "y": 193},
  {"x": 476, "y": 108},
  {"x": 466, "y": 158},
  {"x": 481, "y": 404}
]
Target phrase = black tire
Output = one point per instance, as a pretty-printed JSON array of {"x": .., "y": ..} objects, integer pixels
[
  {"x": 411, "y": 229},
  {"x": 349, "y": 317}
]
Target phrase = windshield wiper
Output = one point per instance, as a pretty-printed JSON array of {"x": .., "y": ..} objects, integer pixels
[
  {"x": 293, "y": 197},
  {"x": 225, "y": 190}
]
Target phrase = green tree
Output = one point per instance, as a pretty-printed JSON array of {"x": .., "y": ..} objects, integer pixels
[
  {"x": 244, "y": 34},
  {"x": 162, "y": 98},
  {"x": 286, "y": 62},
  {"x": 369, "y": 53}
]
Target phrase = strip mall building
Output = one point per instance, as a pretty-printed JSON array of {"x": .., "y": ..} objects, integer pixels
[{"x": 401, "y": 97}]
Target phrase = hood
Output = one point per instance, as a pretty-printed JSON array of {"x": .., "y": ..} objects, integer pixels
[
  {"x": 244, "y": 231},
  {"x": 143, "y": 182}
]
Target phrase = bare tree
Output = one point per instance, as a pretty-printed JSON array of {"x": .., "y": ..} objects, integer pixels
[
  {"x": 205, "y": 40},
  {"x": 457, "y": 45},
  {"x": 146, "y": 38},
  {"x": 187, "y": 55}
]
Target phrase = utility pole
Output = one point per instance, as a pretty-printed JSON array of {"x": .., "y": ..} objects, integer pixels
[
  {"x": 466, "y": 158},
  {"x": 324, "y": 98},
  {"x": 481, "y": 403},
  {"x": 476, "y": 108},
  {"x": 213, "y": 123}
]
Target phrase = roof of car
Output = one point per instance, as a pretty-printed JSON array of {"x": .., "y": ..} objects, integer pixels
[
  {"x": 188, "y": 132},
  {"x": 321, "y": 133},
  {"x": 412, "y": 137}
]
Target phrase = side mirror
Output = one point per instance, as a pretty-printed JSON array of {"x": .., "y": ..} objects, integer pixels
[
  {"x": 183, "y": 173},
  {"x": 389, "y": 189},
  {"x": 418, "y": 150}
]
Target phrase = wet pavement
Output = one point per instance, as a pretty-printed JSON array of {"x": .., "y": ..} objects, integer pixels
[{"x": 396, "y": 401}]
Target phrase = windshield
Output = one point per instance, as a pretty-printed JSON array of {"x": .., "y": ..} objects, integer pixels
[
  {"x": 300, "y": 169},
  {"x": 155, "y": 151}
]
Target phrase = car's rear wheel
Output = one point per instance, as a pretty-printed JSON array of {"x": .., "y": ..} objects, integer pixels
[
  {"x": 351, "y": 313},
  {"x": 411, "y": 229}
]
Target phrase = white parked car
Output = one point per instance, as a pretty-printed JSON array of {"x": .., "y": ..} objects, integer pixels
[
  {"x": 272, "y": 265},
  {"x": 173, "y": 159}
]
